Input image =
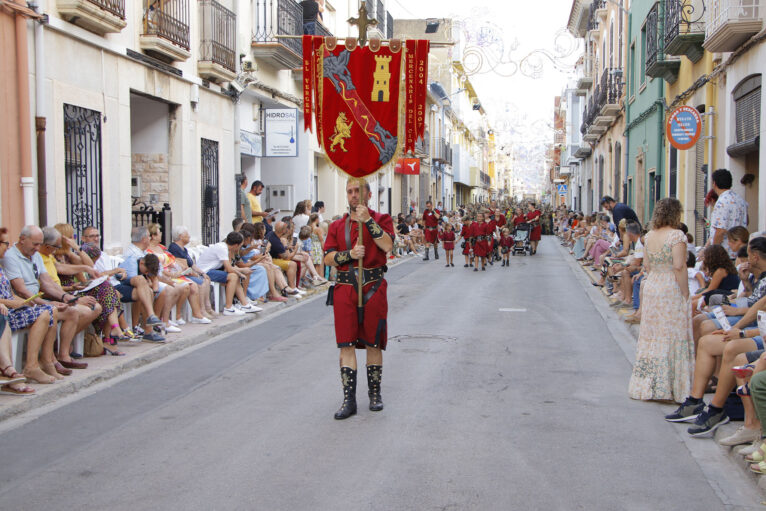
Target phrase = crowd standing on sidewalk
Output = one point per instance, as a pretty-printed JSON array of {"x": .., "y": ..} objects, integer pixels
[{"x": 700, "y": 310}]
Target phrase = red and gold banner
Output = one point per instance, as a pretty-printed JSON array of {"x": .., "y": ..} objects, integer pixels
[{"x": 357, "y": 100}]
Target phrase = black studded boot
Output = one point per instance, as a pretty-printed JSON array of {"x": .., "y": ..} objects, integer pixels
[
  {"x": 348, "y": 408},
  {"x": 374, "y": 377},
  {"x": 426, "y": 258}
]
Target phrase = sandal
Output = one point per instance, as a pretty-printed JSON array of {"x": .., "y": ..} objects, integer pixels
[
  {"x": 757, "y": 456},
  {"x": 745, "y": 371},
  {"x": 111, "y": 341},
  {"x": 24, "y": 390},
  {"x": 114, "y": 353},
  {"x": 11, "y": 375},
  {"x": 759, "y": 468},
  {"x": 743, "y": 390}
]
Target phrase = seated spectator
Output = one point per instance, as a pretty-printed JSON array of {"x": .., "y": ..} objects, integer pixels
[
  {"x": 722, "y": 273},
  {"x": 755, "y": 288},
  {"x": 37, "y": 315},
  {"x": 236, "y": 224},
  {"x": 178, "y": 249},
  {"x": 305, "y": 255},
  {"x": 216, "y": 262},
  {"x": 171, "y": 269},
  {"x": 11, "y": 381},
  {"x": 257, "y": 282},
  {"x": 136, "y": 286},
  {"x": 278, "y": 288},
  {"x": 737, "y": 237},
  {"x": 282, "y": 256},
  {"x": 317, "y": 243},
  {"x": 629, "y": 274},
  {"x": 68, "y": 260},
  {"x": 28, "y": 277}
]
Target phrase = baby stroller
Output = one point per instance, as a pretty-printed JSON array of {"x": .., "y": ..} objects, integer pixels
[{"x": 521, "y": 243}]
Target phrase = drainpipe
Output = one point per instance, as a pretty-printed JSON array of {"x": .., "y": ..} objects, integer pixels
[
  {"x": 40, "y": 118},
  {"x": 25, "y": 142}
]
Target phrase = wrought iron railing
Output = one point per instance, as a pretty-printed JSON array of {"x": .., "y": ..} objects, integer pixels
[
  {"x": 168, "y": 19},
  {"x": 279, "y": 17},
  {"x": 683, "y": 17},
  {"x": 725, "y": 11},
  {"x": 592, "y": 19},
  {"x": 322, "y": 30},
  {"x": 609, "y": 88},
  {"x": 389, "y": 26},
  {"x": 652, "y": 37},
  {"x": 116, "y": 7},
  {"x": 218, "y": 40}
]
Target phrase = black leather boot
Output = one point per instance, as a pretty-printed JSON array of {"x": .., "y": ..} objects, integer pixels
[
  {"x": 436, "y": 252},
  {"x": 348, "y": 408},
  {"x": 374, "y": 377},
  {"x": 426, "y": 258}
]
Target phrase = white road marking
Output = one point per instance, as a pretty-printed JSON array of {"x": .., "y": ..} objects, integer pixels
[{"x": 512, "y": 310}]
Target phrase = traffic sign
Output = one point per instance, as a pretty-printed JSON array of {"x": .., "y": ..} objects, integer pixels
[
  {"x": 684, "y": 127},
  {"x": 562, "y": 189}
]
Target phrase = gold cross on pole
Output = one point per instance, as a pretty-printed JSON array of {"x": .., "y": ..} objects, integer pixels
[{"x": 362, "y": 22}]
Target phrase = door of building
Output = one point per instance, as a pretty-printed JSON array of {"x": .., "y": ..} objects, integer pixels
[
  {"x": 82, "y": 152},
  {"x": 210, "y": 201}
]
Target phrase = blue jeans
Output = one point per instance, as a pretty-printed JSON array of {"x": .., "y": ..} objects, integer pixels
[{"x": 637, "y": 292}]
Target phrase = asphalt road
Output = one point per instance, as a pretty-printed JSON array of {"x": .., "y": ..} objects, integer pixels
[{"x": 503, "y": 390}]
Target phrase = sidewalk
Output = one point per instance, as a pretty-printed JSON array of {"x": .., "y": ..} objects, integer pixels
[
  {"x": 136, "y": 355},
  {"x": 706, "y": 452}
]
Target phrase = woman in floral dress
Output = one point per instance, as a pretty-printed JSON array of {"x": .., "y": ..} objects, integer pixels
[{"x": 665, "y": 351}]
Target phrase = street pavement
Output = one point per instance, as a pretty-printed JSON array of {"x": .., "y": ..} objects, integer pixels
[{"x": 504, "y": 390}]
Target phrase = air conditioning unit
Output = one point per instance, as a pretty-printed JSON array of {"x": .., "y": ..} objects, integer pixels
[{"x": 279, "y": 197}]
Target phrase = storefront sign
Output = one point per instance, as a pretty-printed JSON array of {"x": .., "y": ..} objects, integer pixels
[
  {"x": 282, "y": 132},
  {"x": 684, "y": 127},
  {"x": 250, "y": 144}
]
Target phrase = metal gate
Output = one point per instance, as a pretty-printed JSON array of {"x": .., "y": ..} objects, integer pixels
[
  {"x": 210, "y": 204},
  {"x": 82, "y": 152}
]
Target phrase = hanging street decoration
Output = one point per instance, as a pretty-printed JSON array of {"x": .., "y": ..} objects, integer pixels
[{"x": 356, "y": 94}]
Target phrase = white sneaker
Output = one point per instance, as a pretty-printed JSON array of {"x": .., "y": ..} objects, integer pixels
[
  {"x": 173, "y": 322},
  {"x": 171, "y": 329},
  {"x": 250, "y": 308},
  {"x": 200, "y": 321},
  {"x": 233, "y": 312},
  {"x": 750, "y": 449},
  {"x": 741, "y": 436},
  {"x": 301, "y": 291},
  {"x": 180, "y": 322}
]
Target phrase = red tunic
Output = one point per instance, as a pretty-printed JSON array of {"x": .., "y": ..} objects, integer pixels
[
  {"x": 480, "y": 247},
  {"x": 506, "y": 242},
  {"x": 518, "y": 219},
  {"x": 537, "y": 230},
  {"x": 431, "y": 224},
  {"x": 490, "y": 232},
  {"x": 348, "y": 331},
  {"x": 448, "y": 237},
  {"x": 465, "y": 233},
  {"x": 501, "y": 220}
]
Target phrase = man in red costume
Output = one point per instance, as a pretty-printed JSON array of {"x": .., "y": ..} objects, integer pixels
[
  {"x": 431, "y": 224},
  {"x": 533, "y": 218},
  {"x": 352, "y": 330}
]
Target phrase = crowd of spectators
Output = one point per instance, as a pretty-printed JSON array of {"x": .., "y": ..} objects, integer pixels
[{"x": 698, "y": 307}]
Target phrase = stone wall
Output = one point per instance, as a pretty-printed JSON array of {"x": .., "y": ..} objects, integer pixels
[{"x": 153, "y": 171}]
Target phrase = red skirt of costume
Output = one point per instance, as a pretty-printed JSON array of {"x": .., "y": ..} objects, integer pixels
[
  {"x": 480, "y": 247},
  {"x": 465, "y": 233},
  {"x": 448, "y": 239},
  {"x": 537, "y": 231},
  {"x": 374, "y": 330},
  {"x": 432, "y": 235}
]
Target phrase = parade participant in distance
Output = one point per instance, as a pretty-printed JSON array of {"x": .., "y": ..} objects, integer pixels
[
  {"x": 518, "y": 217},
  {"x": 467, "y": 243},
  {"x": 494, "y": 247},
  {"x": 480, "y": 245},
  {"x": 506, "y": 245},
  {"x": 431, "y": 226},
  {"x": 533, "y": 217},
  {"x": 448, "y": 237},
  {"x": 343, "y": 252}
]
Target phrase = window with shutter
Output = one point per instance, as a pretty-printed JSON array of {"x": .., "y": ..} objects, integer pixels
[{"x": 747, "y": 116}]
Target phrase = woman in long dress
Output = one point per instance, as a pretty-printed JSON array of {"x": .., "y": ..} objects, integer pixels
[{"x": 665, "y": 350}]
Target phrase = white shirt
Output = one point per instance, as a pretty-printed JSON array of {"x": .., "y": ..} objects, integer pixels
[
  {"x": 212, "y": 257},
  {"x": 133, "y": 250},
  {"x": 299, "y": 221},
  {"x": 638, "y": 251}
]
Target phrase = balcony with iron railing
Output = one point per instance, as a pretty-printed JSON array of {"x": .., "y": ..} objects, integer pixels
[
  {"x": 99, "y": 16},
  {"x": 442, "y": 152},
  {"x": 274, "y": 18},
  {"x": 166, "y": 29},
  {"x": 685, "y": 28},
  {"x": 609, "y": 95},
  {"x": 599, "y": 7},
  {"x": 592, "y": 17},
  {"x": 217, "y": 54},
  {"x": 729, "y": 23},
  {"x": 658, "y": 65}
]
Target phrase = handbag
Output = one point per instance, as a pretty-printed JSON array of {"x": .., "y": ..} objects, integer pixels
[{"x": 93, "y": 345}]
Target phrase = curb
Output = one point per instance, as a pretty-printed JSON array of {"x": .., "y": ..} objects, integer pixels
[
  {"x": 627, "y": 338},
  {"x": 64, "y": 388}
]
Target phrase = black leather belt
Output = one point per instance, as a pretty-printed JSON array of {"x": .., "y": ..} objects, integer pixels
[
  {"x": 431, "y": 228},
  {"x": 369, "y": 275}
]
